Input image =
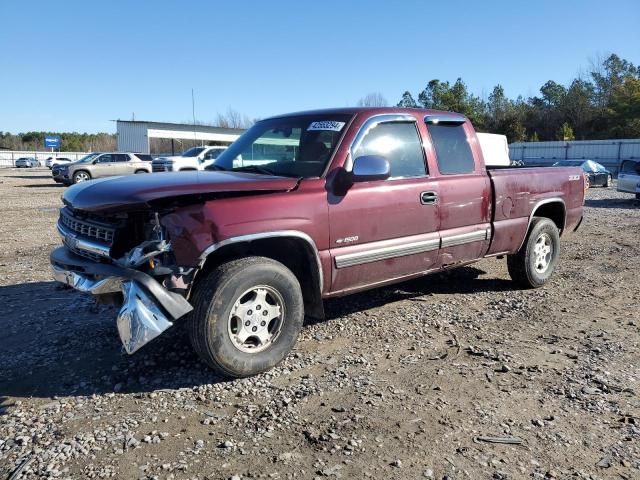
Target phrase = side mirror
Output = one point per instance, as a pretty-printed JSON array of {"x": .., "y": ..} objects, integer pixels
[{"x": 370, "y": 167}]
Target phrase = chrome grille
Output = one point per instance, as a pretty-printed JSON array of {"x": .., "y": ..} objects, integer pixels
[
  {"x": 87, "y": 228},
  {"x": 83, "y": 253},
  {"x": 161, "y": 167}
]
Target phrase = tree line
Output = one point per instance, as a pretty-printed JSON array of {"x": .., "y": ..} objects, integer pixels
[
  {"x": 603, "y": 103},
  {"x": 71, "y": 141}
]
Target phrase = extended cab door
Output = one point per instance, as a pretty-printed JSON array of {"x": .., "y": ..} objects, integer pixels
[
  {"x": 385, "y": 229},
  {"x": 464, "y": 189}
]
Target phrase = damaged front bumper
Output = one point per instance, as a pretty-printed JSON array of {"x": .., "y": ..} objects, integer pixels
[{"x": 148, "y": 308}]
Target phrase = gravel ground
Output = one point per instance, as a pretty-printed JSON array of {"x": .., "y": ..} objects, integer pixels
[{"x": 420, "y": 380}]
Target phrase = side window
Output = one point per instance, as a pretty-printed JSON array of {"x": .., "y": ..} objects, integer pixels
[
  {"x": 211, "y": 154},
  {"x": 121, "y": 157},
  {"x": 399, "y": 143},
  {"x": 631, "y": 167},
  {"x": 106, "y": 158},
  {"x": 452, "y": 149}
]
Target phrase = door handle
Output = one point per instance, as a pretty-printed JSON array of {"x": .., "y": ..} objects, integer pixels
[{"x": 428, "y": 198}]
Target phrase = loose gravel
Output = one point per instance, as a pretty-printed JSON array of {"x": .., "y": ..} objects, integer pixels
[{"x": 457, "y": 375}]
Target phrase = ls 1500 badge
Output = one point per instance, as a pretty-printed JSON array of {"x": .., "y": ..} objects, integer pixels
[{"x": 347, "y": 239}]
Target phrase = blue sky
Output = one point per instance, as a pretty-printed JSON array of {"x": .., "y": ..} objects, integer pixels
[{"x": 73, "y": 66}]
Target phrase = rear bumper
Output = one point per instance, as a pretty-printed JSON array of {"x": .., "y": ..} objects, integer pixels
[{"x": 148, "y": 308}]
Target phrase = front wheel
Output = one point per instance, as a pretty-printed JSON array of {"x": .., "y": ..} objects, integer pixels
[
  {"x": 534, "y": 263},
  {"x": 81, "y": 176},
  {"x": 247, "y": 316},
  {"x": 140, "y": 171}
]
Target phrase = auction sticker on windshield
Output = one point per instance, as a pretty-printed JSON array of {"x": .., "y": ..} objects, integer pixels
[{"x": 326, "y": 125}]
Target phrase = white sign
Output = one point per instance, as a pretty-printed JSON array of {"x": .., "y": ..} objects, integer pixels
[{"x": 326, "y": 125}]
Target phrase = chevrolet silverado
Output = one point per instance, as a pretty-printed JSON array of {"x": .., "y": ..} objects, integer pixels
[{"x": 324, "y": 203}]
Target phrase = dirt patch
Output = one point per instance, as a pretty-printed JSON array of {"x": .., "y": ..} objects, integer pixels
[{"x": 400, "y": 382}]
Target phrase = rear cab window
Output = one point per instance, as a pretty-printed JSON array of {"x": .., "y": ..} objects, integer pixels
[{"x": 453, "y": 152}]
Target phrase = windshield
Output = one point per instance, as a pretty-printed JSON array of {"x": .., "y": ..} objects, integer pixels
[
  {"x": 592, "y": 166},
  {"x": 193, "y": 152},
  {"x": 297, "y": 146},
  {"x": 87, "y": 158}
]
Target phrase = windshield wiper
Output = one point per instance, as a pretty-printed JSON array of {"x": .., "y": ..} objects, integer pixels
[{"x": 258, "y": 169}]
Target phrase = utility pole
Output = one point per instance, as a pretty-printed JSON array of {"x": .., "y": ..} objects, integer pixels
[{"x": 193, "y": 111}]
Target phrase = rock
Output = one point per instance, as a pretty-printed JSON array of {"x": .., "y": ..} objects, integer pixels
[
  {"x": 396, "y": 463},
  {"x": 591, "y": 391}
]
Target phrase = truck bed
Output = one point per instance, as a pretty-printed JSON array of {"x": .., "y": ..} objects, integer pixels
[{"x": 519, "y": 192}]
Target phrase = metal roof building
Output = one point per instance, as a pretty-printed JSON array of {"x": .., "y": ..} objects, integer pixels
[{"x": 134, "y": 135}]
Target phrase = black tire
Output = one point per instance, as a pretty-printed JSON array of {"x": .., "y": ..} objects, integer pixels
[
  {"x": 523, "y": 266},
  {"x": 637, "y": 196},
  {"x": 140, "y": 171},
  {"x": 78, "y": 174},
  {"x": 215, "y": 296}
]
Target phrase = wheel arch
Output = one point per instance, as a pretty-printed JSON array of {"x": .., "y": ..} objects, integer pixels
[
  {"x": 552, "y": 208},
  {"x": 294, "y": 249}
]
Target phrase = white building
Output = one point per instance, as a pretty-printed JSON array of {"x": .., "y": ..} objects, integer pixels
[{"x": 134, "y": 135}]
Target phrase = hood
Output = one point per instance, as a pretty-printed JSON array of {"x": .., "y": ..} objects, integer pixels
[
  {"x": 173, "y": 158},
  {"x": 121, "y": 193}
]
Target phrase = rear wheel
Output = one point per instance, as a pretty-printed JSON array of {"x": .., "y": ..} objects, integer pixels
[
  {"x": 141, "y": 171},
  {"x": 81, "y": 176},
  {"x": 247, "y": 316},
  {"x": 534, "y": 263}
]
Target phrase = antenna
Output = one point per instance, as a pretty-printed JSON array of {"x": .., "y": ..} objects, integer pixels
[{"x": 193, "y": 111}]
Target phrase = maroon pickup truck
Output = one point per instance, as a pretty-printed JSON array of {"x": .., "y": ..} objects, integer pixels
[{"x": 304, "y": 207}]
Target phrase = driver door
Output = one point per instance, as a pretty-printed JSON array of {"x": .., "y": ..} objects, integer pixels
[{"x": 386, "y": 229}]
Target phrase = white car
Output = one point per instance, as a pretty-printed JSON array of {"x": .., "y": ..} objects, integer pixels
[
  {"x": 27, "y": 162},
  {"x": 53, "y": 161},
  {"x": 629, "y": 177},
  {"x": 196, "y": 158}
]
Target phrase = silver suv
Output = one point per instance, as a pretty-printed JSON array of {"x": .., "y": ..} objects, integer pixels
[
  {"x": 99, "y": 165},
  {"x": 629, "y": 177}
]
